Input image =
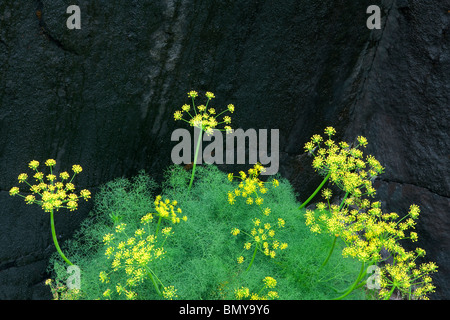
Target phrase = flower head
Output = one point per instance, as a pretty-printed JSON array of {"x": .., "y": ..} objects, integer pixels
[
  {"x": 242, "y": 293},
  {"x": 192, "y": 94},
  {"x": 330, "y": 131},
  {"x": 33, "y": 164},
  {"x": 14, "y": 191},
  {"x": 50, "y": 162},
  {"x": 170, "y": 292},
  {"x": 86, "y": 194},
  {"x": 209, "y": 95},
  {"x": 30, "y": 199},
  {"x": 22, "y": 177},
  {"x": 270, "y": 282},
  {"x": 177, "y": 115},
  {"x": 77, "y": 168}
]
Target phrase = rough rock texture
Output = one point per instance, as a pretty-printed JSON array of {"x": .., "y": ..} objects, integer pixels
[{"x": 104, "y": 97}]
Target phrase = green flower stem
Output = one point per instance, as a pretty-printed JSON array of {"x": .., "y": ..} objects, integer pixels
[
  {"x": 55, "y": 241},
  {"x": 335, "y": 238},
  {"x": 195, "y": 158},
  {"x": 317, "y": 190},
  {"x": 154, "y": 283},
  {"x": 330, "y": 252},
  {"x": 158, "y": 225},
  {"x": 390, "y": 293},
  {"x": 355, "y": 284},
  {"x": 253, "y": 258},
  {"x": 343, "y": 200}
]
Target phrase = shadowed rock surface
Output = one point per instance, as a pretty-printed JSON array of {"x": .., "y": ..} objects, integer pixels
[{"x": 104, "y": 96}]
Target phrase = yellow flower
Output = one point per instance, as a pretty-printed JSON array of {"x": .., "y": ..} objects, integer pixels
[
  {"x": 228, "y": 129},
  {"x": 227, "y": 119},
  {"x": 30, "y": 199},
  {"x": 316, "y": 138},
  {"x": 73, "y": 196},
  {"x": 326, "y": 193},
  {"x": 254, "y": 296},
  {"x": 209, "y": 95},
  {"x": 14, "y": 191},
  {"x": 230, "y": 108},
  {"x": 330, "y": 131},
  {"x": 120, "y": 228},
  {"x": 38, "y": 176},
  {"x": 270, "y": 282},
  {"x": 47, "y": 206},
  {"x": 177, "y": 115},
  {"x": 170, "y": 292},
  {"x": 77, "y": 168},
  {"x": 86, "y": 194},
  {"x": 103, "y": 277},
  {"x": 240, "y": 259},
  {"x": 242, "y": 293},
  {"x": 309, "y": 146},
  {"x": 186, "y": 107},
  {"x": 192, "y": 94},
  {"x": 231, "y": 198},
  {"x": 50, "y": 162},
  {"x": 209, "y": 131},
  {"x": 108, "y": 238},
  {"x": 414, "y": 211},
  {"x": 235, "y": 231},
  {"x": 362, "y": 141},
  {"x": 107, "y": 293},
  {"x": 33, "y": 164},
  {"x": 317, "y": 163},
  {"x": 22, "y": 177},
  {"x": 166, "y": 231},
  {"x": 64, "y": 175}
]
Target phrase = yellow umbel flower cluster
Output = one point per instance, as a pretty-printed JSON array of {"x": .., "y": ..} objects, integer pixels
[
  {"x": 364, "y": 228},
  {"x": 269, "y": 283},
  {"x": 49, "y": 193},
  {"x": 134, "y": 253},
  {"x": 250, "y": 187},
  {"x": 344, "y": 164},
  {"x": 167, "y": 210},
  {"x": 262, "y": 234},
  {"x": 202, "y": 116}
]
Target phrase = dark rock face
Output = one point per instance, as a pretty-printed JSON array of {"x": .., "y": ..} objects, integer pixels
[{"x": 104, "y": 96}]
